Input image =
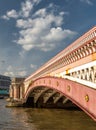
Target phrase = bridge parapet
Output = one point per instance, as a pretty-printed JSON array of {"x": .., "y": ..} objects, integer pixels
[{"x": 85, "y": 72}]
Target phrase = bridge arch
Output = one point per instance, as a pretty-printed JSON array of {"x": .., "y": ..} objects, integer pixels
[
  {"x": 46, "y": 96},
  {"x": 79, "y": 94}
]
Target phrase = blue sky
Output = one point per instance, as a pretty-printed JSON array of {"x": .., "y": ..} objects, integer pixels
[{"x": 33, "y": 31}]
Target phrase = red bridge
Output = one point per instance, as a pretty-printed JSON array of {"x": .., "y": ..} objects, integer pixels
[{"x": 70, "y": 76}]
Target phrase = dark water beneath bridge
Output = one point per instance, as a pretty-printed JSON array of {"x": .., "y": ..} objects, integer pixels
[{"x": 43, "y": 119}]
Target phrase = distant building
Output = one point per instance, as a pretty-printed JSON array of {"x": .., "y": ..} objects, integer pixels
[{"x": 5, "y": 82}]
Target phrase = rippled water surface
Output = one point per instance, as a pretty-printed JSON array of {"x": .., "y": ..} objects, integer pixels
[{"x": 43, "y": 119}]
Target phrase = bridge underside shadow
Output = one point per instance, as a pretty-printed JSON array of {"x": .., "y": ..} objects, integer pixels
[{"x": 44, "y": 97}]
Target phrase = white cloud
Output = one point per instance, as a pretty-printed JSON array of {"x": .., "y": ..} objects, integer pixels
[
  {"x": 21, "y": 23},
  {"x": 5, "y": 17},
  {"x": 13, "y": 72},
  {"x": 41, "y": 12},
  {"x": 26, "y": 8},
  {"x": 12, "y": 14},
  {"x": 57, "y": 34},
  {"x": 9, "y": 71},
  {"x": 89, "y": 2},
  {"x": 22, "y": 73},
  {"x": 33, "y": 66},
  {"x": 42, "y": 30}
]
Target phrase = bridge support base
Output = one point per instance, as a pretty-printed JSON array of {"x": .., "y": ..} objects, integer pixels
[{"x": 14, "y": 103}]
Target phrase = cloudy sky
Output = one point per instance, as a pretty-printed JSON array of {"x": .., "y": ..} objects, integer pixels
[{"x": 33, "y": 31}]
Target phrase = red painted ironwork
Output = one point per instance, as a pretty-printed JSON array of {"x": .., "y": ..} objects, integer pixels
[{"x": 81, "y": 95}]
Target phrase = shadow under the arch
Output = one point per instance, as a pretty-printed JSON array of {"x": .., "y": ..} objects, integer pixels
[{"x": 59, "y": 105}]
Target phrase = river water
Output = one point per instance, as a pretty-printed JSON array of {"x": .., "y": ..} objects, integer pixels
[{"x": 43, "y": 119}]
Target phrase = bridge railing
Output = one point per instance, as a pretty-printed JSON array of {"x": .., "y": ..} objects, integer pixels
[{"x": 84, "y": 72}]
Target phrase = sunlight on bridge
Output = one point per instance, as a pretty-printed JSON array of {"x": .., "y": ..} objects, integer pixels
[{"x": 70, "y": 75}]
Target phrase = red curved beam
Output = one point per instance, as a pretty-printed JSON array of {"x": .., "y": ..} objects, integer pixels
[{"x": 81, "y": 95}]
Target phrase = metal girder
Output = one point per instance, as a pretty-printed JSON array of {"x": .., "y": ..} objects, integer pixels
[
  {"x": 38, "y": 95},
  {"x": 49, "y": 95}
]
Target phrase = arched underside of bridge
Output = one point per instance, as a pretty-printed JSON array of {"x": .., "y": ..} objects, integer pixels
[
  {"x": 59, "y": 92},
  {"x": 46, "y": 97}
]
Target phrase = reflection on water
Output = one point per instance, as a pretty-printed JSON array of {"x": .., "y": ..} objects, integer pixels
[{"x": 43, "y": 119}]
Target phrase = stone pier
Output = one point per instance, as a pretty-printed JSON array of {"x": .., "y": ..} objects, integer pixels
[{"x": 16, "y": 92}]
